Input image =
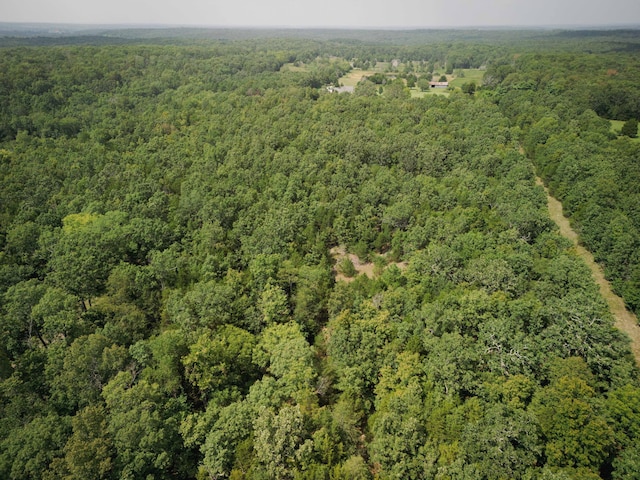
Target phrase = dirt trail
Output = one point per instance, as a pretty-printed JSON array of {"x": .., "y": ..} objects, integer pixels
[{"x": 625, "y": 320}]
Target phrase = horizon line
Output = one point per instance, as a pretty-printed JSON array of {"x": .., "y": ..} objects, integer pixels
[{"x": 570, "y": 26}]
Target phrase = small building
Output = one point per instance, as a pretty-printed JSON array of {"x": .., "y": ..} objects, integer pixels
[{"x": 438, "y": 84}]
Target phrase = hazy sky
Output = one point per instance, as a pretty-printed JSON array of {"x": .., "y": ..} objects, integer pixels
[{"x": 327, "y": 13}]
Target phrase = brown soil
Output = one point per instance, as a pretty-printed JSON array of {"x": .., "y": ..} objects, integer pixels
[
  {"x": 366, "y": 268},
  {"x": 625, "y": 320}
]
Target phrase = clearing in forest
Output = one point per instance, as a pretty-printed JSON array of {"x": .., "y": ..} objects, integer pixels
[
  {"x": 338, "y": 253},
  {"x": 625, "y": 320},
  {"x": 367, "y": 268},
  {"x": 417, "y": 93},
  {"x": 352, "y": 78},
  {"x": 295, "y": 67},
  {"x": 616, "y": 126},
  {"x": 467, "y": 75}
]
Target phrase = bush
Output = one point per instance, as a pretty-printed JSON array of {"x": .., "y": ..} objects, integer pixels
[
  {"x": 630, "y": 128},
  {"x": 347, "y": 268}
]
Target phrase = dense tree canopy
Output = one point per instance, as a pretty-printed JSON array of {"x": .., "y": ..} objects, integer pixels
[
  {"x": 575, "y": 151},
  {"x": 171, "y": 307}
]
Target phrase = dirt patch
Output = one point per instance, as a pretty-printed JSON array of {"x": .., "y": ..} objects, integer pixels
[
  {"x": 625, "y": 320},
  {"x": 338, "y": 253},
  {"x": 366, "y": 268}
]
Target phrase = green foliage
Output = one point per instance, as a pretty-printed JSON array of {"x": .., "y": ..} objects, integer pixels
[
  {"x": 273, "y": 305},
  {"x": 424, "y": 83},
  {"x": 221, "y": 360},
  {"x": 18, "y": 326},
  {"x": 626, "y": 464},
  {"x": 143, "y": 423},
  {"x": 630, "y": 128},
  {"x": 168, "y": 306},
  {"x": 504, "y": 443},
  {"x": 89, "y": 363},
  {"x": 397, "y": 427},
  {"x": 397, "y": 89},
  {"x": 356, "y": 347},
  {"x": 469, "y": 88},
  {"x": 592, "y": 172},
  {"x": 280, "y": 442},
  {"x": 89, "y": 450},
  {"x": 30, "y": 449},
  {"x": 224, "y": 442},
  {"x": 354, "y": 468},
  {"x": 88, "y": 248},
  {"x": 346, "y": 267},
  {"x": 576, "y": 434},
  {"x": 378, "y": 78},
  {"x": 286, "y": 355}
]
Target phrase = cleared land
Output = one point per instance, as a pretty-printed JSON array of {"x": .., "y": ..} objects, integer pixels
[
  {"x": 417, "y": 93},
  {"x": 352, "y": 78},
  {"x": 625, "y": 320},
  {"x": 338, "y": 253},
  {"x": 366, "y": 268},
  {"x": 470, "y": 75},
  {"x": 616, "y": 126},
  {"x": 291, "y": 67}
]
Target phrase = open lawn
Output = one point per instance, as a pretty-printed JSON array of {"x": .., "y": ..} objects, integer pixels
[
  {"x": 470, "y": 75},
  {"x": 417, "y": 93},
  {"x": 352, "y": 78},
  {"x": 616, "y": 126}
]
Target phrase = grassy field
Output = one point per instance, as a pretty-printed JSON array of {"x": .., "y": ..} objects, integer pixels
[
  {"x": 470, "y": 75},
  {"x": 417, "y": 93},
  {"x": 290, "y": 67},
  {"x": 352, "y": 78},
  {"x": 616, "y": 126}
]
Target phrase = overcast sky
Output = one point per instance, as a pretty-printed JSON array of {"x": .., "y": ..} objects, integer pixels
[{"x": 326, "y": 13}]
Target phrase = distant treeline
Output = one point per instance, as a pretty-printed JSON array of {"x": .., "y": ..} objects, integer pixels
[{"x": 168, "y": 300}]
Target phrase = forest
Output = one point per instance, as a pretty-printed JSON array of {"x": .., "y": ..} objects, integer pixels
[{"x": 172, "y": 304}]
